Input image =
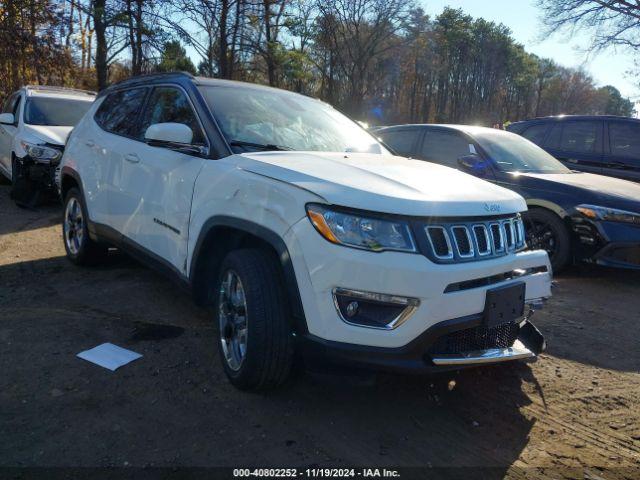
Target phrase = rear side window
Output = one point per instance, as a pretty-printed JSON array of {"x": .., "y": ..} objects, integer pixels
[
  {"x": 119, "y": 112},
  {"x": 444, "y": 147},
  {"x": 536, "y": 133},
  {"x": 624, "y": 139},
  {"x": 401, "y": 141},
  {"x": 170, "y": 104},
  {"x": 580, "y": 137}
]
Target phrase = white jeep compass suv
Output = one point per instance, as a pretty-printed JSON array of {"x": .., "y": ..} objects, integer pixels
[
  {"x": 302, "y": 231},
  {"x": 34, "y": 125}
]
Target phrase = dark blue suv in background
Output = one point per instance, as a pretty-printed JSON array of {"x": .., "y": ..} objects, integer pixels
[{"x": 597, "y": 144}]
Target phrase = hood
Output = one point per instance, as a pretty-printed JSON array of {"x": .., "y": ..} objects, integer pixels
[
  {"x": 56, "y": 135},
  {"x": 385, "y": 183},
  {"x": 592, "y": 189}
]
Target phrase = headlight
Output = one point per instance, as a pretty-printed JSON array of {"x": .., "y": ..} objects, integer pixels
[
  {"x": 361, "y": 231},
  {"x": 609, "y": 214},
  {"x": 40, "y": 153}
]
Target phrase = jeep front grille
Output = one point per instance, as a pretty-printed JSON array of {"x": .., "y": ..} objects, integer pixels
[{"x": 474, "y": 240}]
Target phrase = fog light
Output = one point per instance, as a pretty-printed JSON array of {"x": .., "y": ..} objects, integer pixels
[
  {"x": 373, "y": 310},
  {"x": 352, "y": 309}
]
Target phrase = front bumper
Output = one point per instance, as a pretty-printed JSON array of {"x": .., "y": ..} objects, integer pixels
[
  {"x": 443, "y": 291},
  {"x": 611, "y": 244},
  {"x": 41, "y": 174},
  {"x": 417, "y": 357}
]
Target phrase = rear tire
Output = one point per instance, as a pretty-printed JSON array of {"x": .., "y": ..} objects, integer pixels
[
  {"x": 546, "y": 231},
  {"x": 254, "y": 339},
  {"x": 80, "y": 248}
]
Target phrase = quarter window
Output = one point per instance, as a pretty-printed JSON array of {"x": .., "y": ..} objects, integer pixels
[
  {"x": 444, "y": 147},
  {"x": 169, "y": 104},
  {"x": 119, "y": 112},
  {"x": 624, "y": 139},
  {"x": 580, "y": 137}
]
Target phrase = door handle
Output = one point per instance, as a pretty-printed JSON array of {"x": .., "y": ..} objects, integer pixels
[
  {"x": 90, "y": 143},
  {"x": 132, "y": 158}
]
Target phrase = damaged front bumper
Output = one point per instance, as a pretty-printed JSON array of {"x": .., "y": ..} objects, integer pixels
[
  {"x": 440, "y": 348},
  {"x": 34, "y": 178},
  {"x": 529, "y": 343}
]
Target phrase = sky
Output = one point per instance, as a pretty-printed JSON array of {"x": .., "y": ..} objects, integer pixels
[{"x": 523, "y": 18}]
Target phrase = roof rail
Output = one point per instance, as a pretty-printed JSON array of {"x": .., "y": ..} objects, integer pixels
[
  {"x": 146, "y": 77},
  {"x": 52, "y": 88}
]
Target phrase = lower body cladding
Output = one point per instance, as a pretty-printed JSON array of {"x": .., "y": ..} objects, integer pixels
[
  {"x": 33, "y": 181},
  {"x": 401, "y": 312},
  {"x": 611, "y": 244}
]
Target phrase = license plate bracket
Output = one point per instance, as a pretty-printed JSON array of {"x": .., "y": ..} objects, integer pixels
[{"x": 504, "y": 304}]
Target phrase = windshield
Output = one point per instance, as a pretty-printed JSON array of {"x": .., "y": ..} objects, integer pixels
[
  {"x": 52, "y": 111},
  {"x": 512, "y": 153},
  {"x": 254, "y": 119}
]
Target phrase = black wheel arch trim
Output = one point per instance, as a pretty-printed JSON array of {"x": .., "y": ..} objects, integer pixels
[{"x": 276, "y": 242}]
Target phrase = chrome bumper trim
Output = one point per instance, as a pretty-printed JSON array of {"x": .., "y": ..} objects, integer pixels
[{"x": 493, "y": 355}]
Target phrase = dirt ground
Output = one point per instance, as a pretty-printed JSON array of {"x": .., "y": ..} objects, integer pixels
[{"x": 575, "y": 413}]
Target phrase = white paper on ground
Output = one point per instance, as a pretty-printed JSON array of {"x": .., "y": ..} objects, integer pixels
[{"x": 109, "y": 356}]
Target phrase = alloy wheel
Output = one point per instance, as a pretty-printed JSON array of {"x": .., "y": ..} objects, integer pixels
[
  {"x": 232, "y": 318},
  {"x": 73, "y": 226}
]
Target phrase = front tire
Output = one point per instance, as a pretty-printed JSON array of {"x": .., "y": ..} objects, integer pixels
[
  {"x": 80, "y": 248},
  {"x": 546, "y": 231},
  {"x": 255, "y": 342}
]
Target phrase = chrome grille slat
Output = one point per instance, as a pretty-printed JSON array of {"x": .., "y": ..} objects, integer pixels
[
  {"x": 480, "y": 239},
  {"x": 509, "y": 234},
  {"x": 432, "y": 241},
  {"x": 466, "y": 251},
  {"x": 486, "y": 240},
  {"x": 497, "y": 237}
]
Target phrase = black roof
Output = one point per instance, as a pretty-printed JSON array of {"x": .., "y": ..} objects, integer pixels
[{"x": 179, "y": 77}]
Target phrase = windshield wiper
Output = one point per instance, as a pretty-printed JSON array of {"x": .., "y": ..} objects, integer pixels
[{"x": 261, "y": 146}]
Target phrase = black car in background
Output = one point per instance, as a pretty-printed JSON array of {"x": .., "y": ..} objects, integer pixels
[
  {"x": 573, "y": 215},
  {"x": 597, "y": 144}
]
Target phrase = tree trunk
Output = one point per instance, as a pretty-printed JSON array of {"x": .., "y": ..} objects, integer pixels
[{"x": 100, "y": 27}]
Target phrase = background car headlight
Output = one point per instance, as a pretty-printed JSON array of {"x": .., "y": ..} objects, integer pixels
[
  {"x": 41, "y": 153},
  {"x": 609, "y": 214},
  {"x": 361, "y": 231}
]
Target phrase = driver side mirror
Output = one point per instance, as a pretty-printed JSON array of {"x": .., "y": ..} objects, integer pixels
[
  {"x": 169, "y": 133},
  {"x": 7, "y": 119},
  {"x": 174, "y": 136},
  {"x": 473, "y": 164}
]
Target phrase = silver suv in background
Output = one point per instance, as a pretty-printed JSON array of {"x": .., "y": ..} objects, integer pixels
[{"x": 34, "y": 125}]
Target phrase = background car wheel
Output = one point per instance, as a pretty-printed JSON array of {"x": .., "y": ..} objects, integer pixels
[
  {"x": 546, "y": 231},
  {"x": 255, "y": 341},
  {"x": 81, "y": 249}
]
